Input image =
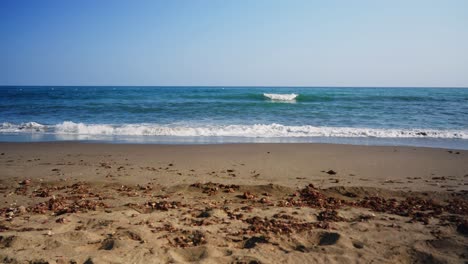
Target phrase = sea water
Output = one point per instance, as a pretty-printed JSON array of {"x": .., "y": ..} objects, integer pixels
[{"x": 433, "y": 117}]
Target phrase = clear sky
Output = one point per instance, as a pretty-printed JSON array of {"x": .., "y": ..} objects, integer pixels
[{"x": 234, "y": 42}]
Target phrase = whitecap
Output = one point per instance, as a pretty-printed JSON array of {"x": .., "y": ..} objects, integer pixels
[{"x": 281, "y": 97}]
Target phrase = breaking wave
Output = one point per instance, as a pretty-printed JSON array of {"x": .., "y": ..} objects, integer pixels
[
  {"x": 281, "y": 97},
  {"x": 23, "y": 127},
  {"x": 259, "y": 130}
]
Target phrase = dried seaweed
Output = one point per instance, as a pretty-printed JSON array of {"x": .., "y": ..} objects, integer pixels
[
  {"x": 189, "y": 239},
  {"x": 330, "y": 216},
  {"x": 61, "y": 205},
  {"x": 163, "y": 205},
  {"x": 211, "y": 188}
]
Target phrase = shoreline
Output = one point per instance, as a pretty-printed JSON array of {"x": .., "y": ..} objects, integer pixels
[
  {"x": 439, "y": 143},
  {"x": 232, "y": 203},
  {"x": 109, "y": 143}
]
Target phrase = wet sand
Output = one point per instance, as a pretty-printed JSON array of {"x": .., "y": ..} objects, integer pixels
[{"x": 232, "y": 203}]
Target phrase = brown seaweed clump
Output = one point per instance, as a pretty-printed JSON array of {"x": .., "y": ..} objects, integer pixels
[
  {"x": 163, "y": 205},
  {"x": 312, "y": 197},
  {"x": 62, "y": 205},
  {"x": 330, "y": 216},
  {"x": 211, "y": 188},
  {"x": 189, "y": 239},
  {"x": 420, "y": 210}
]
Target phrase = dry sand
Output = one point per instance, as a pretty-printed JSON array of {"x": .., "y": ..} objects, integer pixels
[{"x": 233, "y": 203}]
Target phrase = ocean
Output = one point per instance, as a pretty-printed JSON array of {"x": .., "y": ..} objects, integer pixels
[{"x": 430, "y": 117}]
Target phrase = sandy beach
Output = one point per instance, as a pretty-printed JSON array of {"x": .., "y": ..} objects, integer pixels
[{"x": 232, "y": 203}]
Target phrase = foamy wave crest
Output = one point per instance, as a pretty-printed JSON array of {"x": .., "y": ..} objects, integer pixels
[
  {"x": 281, "y": 97},
  {"x": 259, "y": 131},
  {"x": 23, "y": 127}
]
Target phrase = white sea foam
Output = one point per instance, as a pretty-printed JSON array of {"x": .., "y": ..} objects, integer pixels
[
  {"x": 258, "y": 131},
  {"x": 281, "y": 97},
  {"x": 23, "y": 127}
]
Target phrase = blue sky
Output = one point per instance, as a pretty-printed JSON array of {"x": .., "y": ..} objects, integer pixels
[{"x": 234, "y": 42}]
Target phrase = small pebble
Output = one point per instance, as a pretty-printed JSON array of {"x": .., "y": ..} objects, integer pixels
[{"x": 358, "y": 244}]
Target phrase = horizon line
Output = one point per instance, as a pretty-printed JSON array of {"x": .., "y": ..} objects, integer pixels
[{"x": 232, "y": 86}]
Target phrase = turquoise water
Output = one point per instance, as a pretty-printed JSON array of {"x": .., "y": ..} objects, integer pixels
[{"x": 395, "y": 116}]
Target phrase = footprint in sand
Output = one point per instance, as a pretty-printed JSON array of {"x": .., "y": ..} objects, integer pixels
[{"x": 196, "y": 254}]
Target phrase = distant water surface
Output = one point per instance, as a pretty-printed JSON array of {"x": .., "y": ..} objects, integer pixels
[{"x": 375, "y": 116}]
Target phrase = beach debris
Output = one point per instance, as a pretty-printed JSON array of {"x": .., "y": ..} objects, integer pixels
[
  {"x": 42, "y": 192},
  {"x": 329, "y": 216},
  {"x": 128, "y": 191},
  {"x": 250, "y": 230},
  {"x": 62, "y": 220},
  {"x": 211, "y": 188},
  {"x": 312, "y": 197},
  {"x": 421, "y": 217},
  {"x": 253, "y": 241},
  {"x": 36, "y": 261},
  {"x": 88, "y": 261},
  {"x": 208, "y": 212},
  {"x": 358, "y": 244},
  {"x": 10, "y": 212},
  {"x": 131, "y": 235},
  {"x": 247, "y": 208},
  {"x": 418, "y": 209},
  {"x": 233, "y": 215},
  {"x": 329, "y": 238},
  {"x": 462, "y": 228},
  {"x": 365, "y": 217},
  {"x": 105, "y": 165},
  {"x": 350, "y": 194},
  {"x": 22, "y": 190},
  {"x": 7, "y": 241},
  {"x": 190, "y": 239},
  {"x": 457, "y": 206},
  {"x": 248, "y": 196},
  {"x": 62, "y": 205},
  {"x": 107, "y": 244},
  {"x": 82, "y": 188},
  {"x": 163, "y": 205},
  {"x": 167, "y": 227},
  {"x": 301, "y": 248},
  {"x": 285, "y": 216},
  {"x": 145, "y": 188},
  {"x": 25, "y": 182},
  {"x": 265, "y": 200},
  {"x": 331, "y": 172}
]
